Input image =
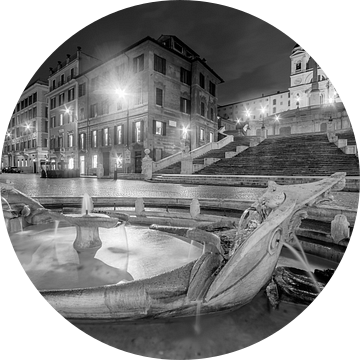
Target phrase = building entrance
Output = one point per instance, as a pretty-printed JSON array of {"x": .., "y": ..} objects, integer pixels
[
  {"x": 106, "y": 163},
  {"x": 138, "y": 162},
  {"x": 82, "y": 165}
]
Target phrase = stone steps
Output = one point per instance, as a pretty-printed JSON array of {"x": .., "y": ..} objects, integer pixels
[{"x": 306, "y": 155}]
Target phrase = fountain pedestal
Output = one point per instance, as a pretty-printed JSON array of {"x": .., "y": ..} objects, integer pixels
[
  {"x": 87, "y": 227},
  {"x": 87, "y": 238}
]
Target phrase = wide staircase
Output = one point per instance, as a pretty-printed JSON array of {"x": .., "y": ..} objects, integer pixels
[
  {"x": 348, "y": 135},
  {"x": 293, "y": 155},
  {"x": 216, "y": 153}
]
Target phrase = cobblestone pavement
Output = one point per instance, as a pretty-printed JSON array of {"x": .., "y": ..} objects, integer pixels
[{"x": 33, "y": 185}]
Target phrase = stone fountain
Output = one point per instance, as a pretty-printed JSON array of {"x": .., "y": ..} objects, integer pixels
[
  {"x": 87, "y": 227},
  {"x": 25, "y": 211}
]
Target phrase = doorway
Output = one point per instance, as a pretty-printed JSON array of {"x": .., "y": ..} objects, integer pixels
[
  {"x": 138, "y": 162},
  {"x": 82, "y": 165},
  {"x": 106, "y": 163}
]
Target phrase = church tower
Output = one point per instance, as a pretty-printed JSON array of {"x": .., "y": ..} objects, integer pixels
[{"x": 298, "y": 77}]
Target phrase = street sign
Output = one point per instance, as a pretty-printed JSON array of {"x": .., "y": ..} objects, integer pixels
[{"x": 127, "y": 156}]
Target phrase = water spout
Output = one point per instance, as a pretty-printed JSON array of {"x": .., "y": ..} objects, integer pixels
[
  {"x": 6, "y": 203},
  {"x": 87, "y": 204},
  {"x": 305, "y": 264}
]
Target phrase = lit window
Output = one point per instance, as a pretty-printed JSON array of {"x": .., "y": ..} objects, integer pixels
[
  {"x": 70, "y": 140},
  {"x": 71, "y": 163},
  {"x": 138, "y": 131},
  {"x": 94, "y": 161},
  {"x": 202, "y": 134}
]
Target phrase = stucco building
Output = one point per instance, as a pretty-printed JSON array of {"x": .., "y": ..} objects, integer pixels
[
  {"x": 63, "y": 109},
  {"x": 26, "y": 140},
  {"x": 151, "y": 95},
  {"x": 308, "y": 87}
]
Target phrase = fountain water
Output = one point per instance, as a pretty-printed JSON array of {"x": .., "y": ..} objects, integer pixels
[
  {"x": 87, "y": 205},
  {"x": 218, "y": 283},
  {"x": 305, "y": 264}
]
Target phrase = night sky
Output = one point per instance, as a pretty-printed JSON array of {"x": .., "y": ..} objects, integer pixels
[{"x": 251, "y": 56}]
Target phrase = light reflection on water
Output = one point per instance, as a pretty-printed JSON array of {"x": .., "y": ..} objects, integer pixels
[
  {"x": 151, "y": 252},
  {"x": 51, "y": 262}
]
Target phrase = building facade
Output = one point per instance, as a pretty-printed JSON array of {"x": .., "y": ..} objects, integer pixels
[
  {"x": 62, "y": 101},
  {"x": 256, "y": 109},
  {"x": 309, "y": 87},
  {"x": 27, "y": 137},
  {"x": 156, "y": 94}
]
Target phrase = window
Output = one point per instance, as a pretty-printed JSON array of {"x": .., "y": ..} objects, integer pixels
[
  {"x": 212, "y": 114},
  {"x": 70, "y": 115},
  {"x": 72, "y": 73},
  {"x": 82, "y": 141},
  {"x": 185, "y": 105},
  {"x": 53, "y": 103},
  {"x": 46, "y": 127},
  {"x": 212, "y": 88},
  {"x": 202, "y": 108},
  {"x": 94, "y": 139},
  {"x": 288, "y": 102},
  {"x": 30, "y": 100},
  {"x": 53, "y": 121},
  {"x": 93, "y": 110},
  {"x": 61, "y": 122},
  {"x": 119, "y": 133},
  {"x": 159, "y": 97},
  {"x": 274, "y": 102},
  {"x": 105, "y": 137},
  {"x": 71, "y": 163},
  {"x": 46, "y": 112},
  {"x": 159, "y": 128},
  {"x": 60, "y": 142},
  {"x": 138, "y": 131},
  {"x": 34, "y": 97},
  {"x": 138, "y": 63},
  {"x": 202, "y": 134},
  {"x": 298, "y": 66},
  {"x": 274, "y": 110},
  {"x": 159, "y": 64},
  {"x": 62, "y": 79},
  {"x": 211, "y": 136},
  {"x": 61, "y": 99},
  {"x": 82, "y": 89},
  {"x": 82, "y": 114},
  {"x": 185, "y": 76},
  {"x": 71, "y": 94},
  {"x": 202, "y": 80},
  {"x": 53, "y": 84},
  {"x": 70, "y": 140},
  {"x": 94, "y": 161}
]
